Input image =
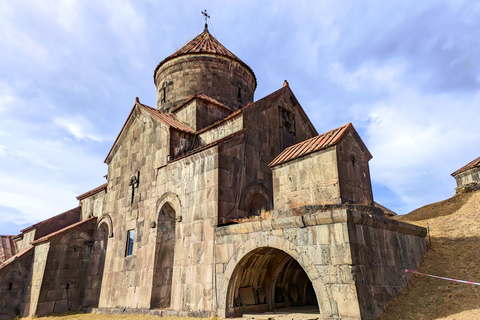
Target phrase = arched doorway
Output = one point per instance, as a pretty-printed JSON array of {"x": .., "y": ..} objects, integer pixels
[
  {"x": 268, "y": 279},
  {"x": 163, "y": 263}
]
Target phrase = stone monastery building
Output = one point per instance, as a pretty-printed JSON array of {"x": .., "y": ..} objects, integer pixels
[{"x": 216, "y": 204}]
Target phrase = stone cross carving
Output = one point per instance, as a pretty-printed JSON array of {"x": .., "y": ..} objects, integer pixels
[{"x": 134, "y": 184}]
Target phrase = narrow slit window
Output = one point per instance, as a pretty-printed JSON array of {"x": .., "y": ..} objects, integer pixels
[{"x": 130, "y": 237}]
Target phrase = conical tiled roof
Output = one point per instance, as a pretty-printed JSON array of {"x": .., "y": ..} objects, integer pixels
[{"x": 203, "y": 43}]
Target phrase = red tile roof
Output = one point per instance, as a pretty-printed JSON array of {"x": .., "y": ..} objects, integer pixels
[
  {"x": 474, "y": 164},
  {"x": 53, "y": 234},
  {"x": 204, "y": 43},
  {"x": 165, "y": 118},
  {"x": 317, "y": 143},
  {"x": 93, "y": 191}
]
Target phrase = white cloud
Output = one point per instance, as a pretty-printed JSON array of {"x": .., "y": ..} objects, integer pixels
[{"x": 79, "y": 127}]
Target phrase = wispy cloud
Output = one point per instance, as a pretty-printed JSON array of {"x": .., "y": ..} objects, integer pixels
[{"x": 79, "y": 127}]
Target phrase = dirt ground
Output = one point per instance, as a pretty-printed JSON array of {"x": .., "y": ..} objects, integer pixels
[{"x": 454, "y": 253}]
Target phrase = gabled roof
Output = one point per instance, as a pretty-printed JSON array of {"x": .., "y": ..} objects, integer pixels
[
  {"x": 204, "y": 43},
  {"x": 474, "y": 164},
  {"x": 60, "y": 216},
  {"x": 70, "y": 227},
  {"x": 314, "y": 144},
  {"x": 205, "y": 98},
  {"x": 272, "y": 97},
  {"x": 163, "y": 117},
  {"x": 13, "y": 258},
  {"x": 93, "y": 191}
]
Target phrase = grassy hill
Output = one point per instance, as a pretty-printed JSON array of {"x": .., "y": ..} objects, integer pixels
[{"x": 454, "y": 253}]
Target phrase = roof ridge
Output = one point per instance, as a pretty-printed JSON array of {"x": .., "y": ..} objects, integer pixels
[
  {"x": 92, "y": 191},
  {"x": 472, "y": 164},
  {"x": 313, "y": 144}
]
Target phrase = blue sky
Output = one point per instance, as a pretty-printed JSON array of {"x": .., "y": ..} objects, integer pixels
[{"x": 405, "y": 73}]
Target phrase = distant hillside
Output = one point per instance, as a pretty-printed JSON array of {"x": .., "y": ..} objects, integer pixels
[
  {"x": 454, "y": 253},
  {"x": 437, "y": 209}
]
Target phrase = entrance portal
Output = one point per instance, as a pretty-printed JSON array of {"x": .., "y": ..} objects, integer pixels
[
  {"x": 163, "y": 265},
  {"x": 268, "y": 279}
]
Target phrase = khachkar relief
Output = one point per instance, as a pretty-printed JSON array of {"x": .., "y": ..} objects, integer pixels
[
  {"x": 287, "y": 120},
  {"x": 134, "y": 180}
]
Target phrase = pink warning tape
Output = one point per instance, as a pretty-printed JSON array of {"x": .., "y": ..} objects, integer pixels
[{"x": 449, "y": 279}]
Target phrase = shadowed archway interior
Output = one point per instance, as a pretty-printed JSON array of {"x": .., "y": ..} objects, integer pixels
[
  {"x": 163, "y": 264},
  {"x": 267, "y": 279}
]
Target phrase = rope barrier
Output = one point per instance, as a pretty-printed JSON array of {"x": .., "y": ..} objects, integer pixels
[{"x": 443, "y": 278}]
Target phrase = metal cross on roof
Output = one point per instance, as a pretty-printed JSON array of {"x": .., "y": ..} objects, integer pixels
[{"x": 205, "y": 14}]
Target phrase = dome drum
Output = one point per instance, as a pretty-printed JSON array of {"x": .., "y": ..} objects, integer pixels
[{"x": 219, "y": 77}]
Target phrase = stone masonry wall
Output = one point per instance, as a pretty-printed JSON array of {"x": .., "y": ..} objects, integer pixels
[
  {"x": 208, "y": 113},
  {"x": 262, "y": 144},
  {"x": 7, "y": 248},
  {"x": 324, "y": 246},
  {"x": 34, "y": 282},
  {"x": 353, "y": 170},
  {"x": 213, "y": 75},
  {"x": 380, "y": 256},
  {"x": 189, "y": 185},
  {"x": 93, "y": 205},
  {"x": 187, "y": 114},
  {"x": 469, "y": 176},
  {"x": 13, "y": 281},
  {"x": 24, "y": 242},
  {"x": 198, "y": 114},
  {"x": 220, "y": 131},
  {"x": 312, "y": 179},
  {"x": 63, "y": 284},
  {"x": 195, "y": 180},
  {"x": 127, "y": 279}
]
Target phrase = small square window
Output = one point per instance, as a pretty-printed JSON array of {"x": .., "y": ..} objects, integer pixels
[{"x": 130, "y": 237}]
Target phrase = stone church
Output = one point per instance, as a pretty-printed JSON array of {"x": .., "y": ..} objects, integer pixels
[{"x": 216, "y": 204}]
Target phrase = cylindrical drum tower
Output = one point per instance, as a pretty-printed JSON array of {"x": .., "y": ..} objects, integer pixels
[{"x": 205, "y": 66}]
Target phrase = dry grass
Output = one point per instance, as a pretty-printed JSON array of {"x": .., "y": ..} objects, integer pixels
[
  {"x": 96, "y": 316},
  {"x": 262, "y": 215},
  {"x": 441, "y": 208},
  {"x": 454, "y": 253}
]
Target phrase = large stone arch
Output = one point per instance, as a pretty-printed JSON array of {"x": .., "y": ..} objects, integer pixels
[
  {"x": 94, "y": 280},
  {"x": 166, "y": 216},
  {"x": 282, "y": 244},
  {"x": 174, "y": 202},
  {"x": 107, "y": 220}
]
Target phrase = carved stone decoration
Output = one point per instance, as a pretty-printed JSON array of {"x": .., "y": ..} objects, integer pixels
[{"x": 287, "y": 120}]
